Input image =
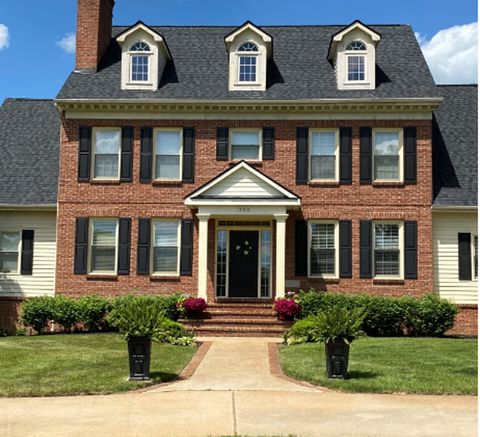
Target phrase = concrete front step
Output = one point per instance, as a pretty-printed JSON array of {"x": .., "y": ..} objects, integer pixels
[
  {"x": 238, "y": 314},
  {"x": 237, "y": 330},
  {"x": 251, "y": 321}
]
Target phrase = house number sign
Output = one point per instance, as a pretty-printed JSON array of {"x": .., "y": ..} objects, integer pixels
[{"x": 242, "y": 209}]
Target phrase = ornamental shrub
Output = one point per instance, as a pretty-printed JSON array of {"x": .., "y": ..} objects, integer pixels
[
  {"x": 92, "y": 311},
  {"x": 302, "y": 331},
  {"x": 194, "y": 306},
  {"x": 66, "y": 311},
  {"x": 287, "y": 309},
  {"x": 37, "y": 312},
  {"x": 174, "y": 333},
  {"x": 432, "y": 316}
]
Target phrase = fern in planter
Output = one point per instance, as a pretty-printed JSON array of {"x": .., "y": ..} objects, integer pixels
[{"x": 339, "y": 324}]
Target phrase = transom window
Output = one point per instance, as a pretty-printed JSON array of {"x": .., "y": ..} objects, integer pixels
[
  {"x": 106, "y": 153},
  {"x": 386, "y": 155},
  {"x": 140, "y": 63},
  {"x": 165, "y": 247},
  {"x": 323, "y": 155},
  {"x": 9, "y": 251},
  {"x": 387, "y": 249},
  {"x": 168, "y": 146},
  {"x": 140, "y": 47},
  {"x": 356, "y": 68},
  {"x": 248, "y": 47},
  {"x": 103, "y": 245},
  {"x": 356, "y": 46},
  {"x": 245, "y": 144},
  {"x": 322, "y": 249}
]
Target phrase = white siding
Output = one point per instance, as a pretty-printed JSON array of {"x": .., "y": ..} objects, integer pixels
[
  {"x": 42, "y": 281},
  {"x": 446, "y": 227},
  {"x": 243, "y": 183}
]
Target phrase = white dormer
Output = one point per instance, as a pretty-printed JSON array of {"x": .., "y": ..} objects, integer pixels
[
  {"x": 144, "y": 55},
  {"x": 249, "y": 49},
  {"x": 352, "y": 50}
]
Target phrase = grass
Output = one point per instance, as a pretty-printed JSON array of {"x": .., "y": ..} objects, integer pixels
[
  {"x": 392, "y": 365},
  {"x": 79, "y": 364}
]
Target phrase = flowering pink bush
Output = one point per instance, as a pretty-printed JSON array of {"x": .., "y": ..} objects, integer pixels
[
  {"x": 287, "y": 309},
  {"x": 194, "y": 306}
]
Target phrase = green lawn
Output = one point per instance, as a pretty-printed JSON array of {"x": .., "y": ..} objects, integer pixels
[
  {"x": 79, "y": 364},
  {"x": 392, "y": 365}
]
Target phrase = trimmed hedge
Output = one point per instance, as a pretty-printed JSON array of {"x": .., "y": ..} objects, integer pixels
[
  {"x": 429, "y": 316},
  {"x": 94, "y": 312}
]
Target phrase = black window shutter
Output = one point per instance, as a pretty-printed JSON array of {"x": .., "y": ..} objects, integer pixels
[
  {"x": 188, "y": 155},
  {"x": 143, "y": 252},
  {"x": 302, "y": 155},
  {"x": 411, "y": 250},
  {"x": 127, "y": 154},
  {"x": 464, "y": 257},
  {"x": 268, "y": 143},
  {"x": 222, "y": 144},
  {"x": 410, "y": 155},
  {"x": 346, "y": 155},
  {"x": 84, "y": 151},
  {"x": 81, "y": 246},
  {"x": 301, "y": 248},
  {"x": 345, "y": 249},
  {"x": 124, "y": 230},
  {"x": 27, "y": 252},
  {"x": 146, "y": 139},
  {"x": 186, "y": 251},
  {"x": 365, "y": 249},
  {"x": 365, "y": 155}
]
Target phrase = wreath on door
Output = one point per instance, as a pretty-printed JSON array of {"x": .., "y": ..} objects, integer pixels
[{"x": 244, "y": 248}]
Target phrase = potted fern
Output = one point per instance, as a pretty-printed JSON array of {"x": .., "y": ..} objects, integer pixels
[
  {"x": 337, "y": 328},
  {"x": 140, "y": 321}
]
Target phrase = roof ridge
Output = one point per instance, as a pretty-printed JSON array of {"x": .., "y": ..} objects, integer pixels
[
  {"x": 456, "y": 84},
  {"x": 259, "y": 25},
  {"x": 27, "y": 99}
]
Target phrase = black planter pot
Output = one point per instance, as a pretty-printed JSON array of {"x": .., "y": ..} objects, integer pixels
[
  {"x": 139, "y": 350},
  {"x": 336, "y": 354}
]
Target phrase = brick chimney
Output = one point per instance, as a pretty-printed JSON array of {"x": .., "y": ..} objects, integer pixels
[{"x": 94, "y": 31}]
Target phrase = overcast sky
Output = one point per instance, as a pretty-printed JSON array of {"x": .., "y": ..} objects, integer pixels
[{"x": 37, "y": 38}]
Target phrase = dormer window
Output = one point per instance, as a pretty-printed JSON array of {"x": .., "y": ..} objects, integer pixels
[
  {"x": 356, "y": 61},
  {"x": 140, "y": 54},
  {"x": 247, "y": 64},
  {"x": 356, "y": 46}
]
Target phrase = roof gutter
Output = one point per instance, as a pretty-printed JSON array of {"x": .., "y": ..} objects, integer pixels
[
  {"x": 454, "y": 208},
  {"x": 28, "y": 207}
]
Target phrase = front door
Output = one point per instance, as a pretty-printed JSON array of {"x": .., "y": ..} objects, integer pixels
[{"x": 243, "y": 264}]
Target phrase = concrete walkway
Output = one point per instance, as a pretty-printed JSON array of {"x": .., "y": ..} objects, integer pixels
[{"x": 224, "y": 397}]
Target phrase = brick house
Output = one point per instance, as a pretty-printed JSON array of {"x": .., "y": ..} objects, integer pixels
[{"x": 238, "y": 163}]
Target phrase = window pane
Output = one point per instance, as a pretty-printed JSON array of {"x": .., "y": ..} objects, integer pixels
[
  {"x": 103, "y": 259},
  {"x": 165, "y": 259},
  {"x": 9, "y": 262},
  {"x": 221, "y": 263},
  {"x": 322, "y": 253},
  {"x": 323, "y": 143},
  {"x": 245, "y": 138},
  {"x": 387, "y": 262},
  {"x": 244, "y": 152},
  {"x": 9, "y": 241},
  {"x": 140, "y": 68},
  {"x": 386, "y": 167},
  {"x": 323, "y": 236},
  {"x": 323, "y": 167},
  {"x": 104, "y": 232},
  {"x": 248, "y": 69},
  {"x": 322, "y": 262},
  {"x": 245, "y": 145},
  {"x": 386, "y": 236},
  {"x": 167, "y": 167},
  {"x": 356, "y": 68},
  {"x": 166, "y": 233},
  {"x": 265, "y": 263},
  {"x": 168, "y": 143},
  {"x": 106, "y": 166},
  {"x": 387, "y": 143},
  {"x": 107, "y": 142}
]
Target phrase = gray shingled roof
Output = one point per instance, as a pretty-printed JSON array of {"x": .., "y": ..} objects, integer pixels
[
  {"x": 29, "y": 149},
  {"x": 299, "y": 70},
  {"x": 455, "y": 143}
]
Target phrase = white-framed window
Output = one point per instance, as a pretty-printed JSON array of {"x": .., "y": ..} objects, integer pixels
[
  {"x": 387, "y": 155},
  {"x": 106, "y": 153},
  {"x": 247, "y": 62},
  {"x": 168, "y": 154},
  {"x": 322, "y": 249},
  {"x": 388, "y": 249},
  {"x": 356, "y": 61},
  {"x": 140, "y": 53},
  {"x": 324, "y": 151},
  {"x": 166, "y": 247},
  {"x": 103, "y": 245},
  {"x": 246, "y": 144},
  {"x": 10, "y": 242}
]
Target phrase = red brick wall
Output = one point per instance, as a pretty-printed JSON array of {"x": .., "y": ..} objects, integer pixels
[
  {"x": 9, "y": 313},
  {"x": 355, "y": 202},
  {"x": 466, "y": 322}
]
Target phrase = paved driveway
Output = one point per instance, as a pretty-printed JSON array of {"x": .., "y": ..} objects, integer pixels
[{"x": 233, "y": 392}]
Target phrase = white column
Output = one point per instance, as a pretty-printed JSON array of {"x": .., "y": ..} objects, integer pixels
[
  {"x": 280, "y": 254},
  {"x": 202, "y": 254}
]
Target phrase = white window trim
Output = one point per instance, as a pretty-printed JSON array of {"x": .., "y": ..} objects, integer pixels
[
  {"x": 149, "y": 55},
  {"x": 90, "y": 245},
  {"x": 94, "y": 154},
  {"x": 400, "y": 154},
  {"x": 337, "y": 154},
  {"x": 152, "y": 243},
  {"x": 401, "y": 245},
  {"x": 349, "y": 54},
  {"x": 154, "y": 163},
  {"x": 337, "y": 248},
  {"x": 260, "y": 144},
  {"x": 19, "y": 249},
  {"x": 257, "y": 55}
]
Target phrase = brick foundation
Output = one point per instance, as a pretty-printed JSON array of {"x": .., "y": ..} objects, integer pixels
[
  {"x": 466, "y": 322},
  {"x": 9, "y": 313}
]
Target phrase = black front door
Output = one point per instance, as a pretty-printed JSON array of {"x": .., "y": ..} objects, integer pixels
[{"x": 243, "y": 266}]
